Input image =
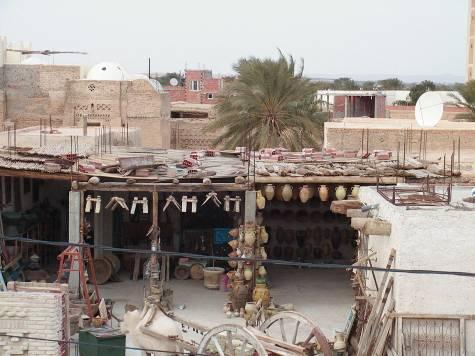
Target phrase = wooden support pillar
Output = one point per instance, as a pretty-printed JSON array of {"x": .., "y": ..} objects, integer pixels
[
  {"x": 155, "y": 244},
  {"x": 250, "y": 207}
]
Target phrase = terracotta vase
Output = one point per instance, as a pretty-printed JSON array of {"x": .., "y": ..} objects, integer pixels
[
  {"x": 323, "y": 193},
  {"x": 305, "y": 194},
  {"x": 263, "y": 253},
  {"x": 239, "y": 294},
  {"x": 261, "y": 292},
  {"x": 249, "y": 237},
  {"x": 232, "y": 263},
  {"x": 340, "y": 192},
  {"x": 250, "y": 307},
  {"x": 355, "y": 191},
  {"x": 233, "y": 244},
  {"x": 269, "y": 191},
  {"x": 287, "y": 192},
  {"x": 339, "y": 344},
  {"x": 248, "y": 273},
  {"x": 264, "y": 236},
  {"x": 234, "y": 233},
  {"x": 260, "y": 200}
]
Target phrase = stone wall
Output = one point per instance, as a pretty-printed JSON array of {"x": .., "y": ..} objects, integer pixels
[
  {"x": 34, "y": 92},
  {"x": 407, "y": 112},
  {"x": 34, "y": 314},
  {"x": 387, "y": 134},
  {"x": 192, "y": 134},
  {"x": 437, "y": 238}
]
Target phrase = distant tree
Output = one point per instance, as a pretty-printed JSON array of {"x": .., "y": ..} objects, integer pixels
[
  {"x": 324, "y": 85},
  {"x": 345, "y": 84},
  {"x": 269, "y": 104},
  {"x": 368, "y": 85},
  {"x": 165, "y": 79},
  {"x": 419, "y": 89},
  {"x": 467, "y": 91},
  {"x": 391, "y": 84}
]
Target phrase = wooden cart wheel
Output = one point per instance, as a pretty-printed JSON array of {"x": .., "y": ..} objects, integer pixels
[
  {"x": 297, "y": 329},
  {"x": 230, "y": 340}
]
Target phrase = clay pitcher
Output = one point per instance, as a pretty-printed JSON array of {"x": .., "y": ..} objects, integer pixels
[
  {"x": 287, "y": 192},
  {"x": 340, "y": 192},
  {"x": 278, "y": 193},
  {"x": 261, "y": 292},
  {"x": 269, "y": 191},
  {"x": 355, "y": 191},
  {"x": 248, "y": 273},
  {"x": 323, "y": 192},
  {"x": 260, "y": 200},
  {"x": 304, "y": 194}
]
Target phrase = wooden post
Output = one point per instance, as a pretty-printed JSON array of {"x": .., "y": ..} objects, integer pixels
[
  {"x": 155, "y": 244},
  {"x": 74, "y": 234}
]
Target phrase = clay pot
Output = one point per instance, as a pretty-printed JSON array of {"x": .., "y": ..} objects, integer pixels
[
  {"x": 233, "y": 244},
  {"x": 234, "y": 233},
  {"x": 323, "y": 193},
  {"x": 340, "y": 192},
  {"x": 287, "y": 192},
  {"x": 248, "y": 273},
  {"x": 269, "y": 191},
  {"x": 249, "y": 237},
  {"x": 250, "y": 307},
  {"x": 289, "y": 237},
  {"x": 261, "y": 293},
  {"x": 232, "y": 263},
  {"x": 260, "y": 200},
  {"x": 355, "y": 191},
  {"x": 339, "y": 345},
  {"x": 295, "y": 193},
  {"x": 317, "y": 235},
  {"x": 264, "y": 236},
  {"x": 239, "y": 294},
  {"x": 305, "y": 194}
]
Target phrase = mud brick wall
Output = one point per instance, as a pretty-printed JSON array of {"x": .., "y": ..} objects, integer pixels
[
  {"x": 33, "y": 92},
  {"x": 34, "y": 314},
  {"x": 192, "y": 134}
]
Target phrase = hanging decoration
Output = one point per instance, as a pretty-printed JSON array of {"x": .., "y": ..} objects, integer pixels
[
  {"x": 117, "y": 202},
  {"x": 143, "y": 202},
  {"x": 237, "y": 203},
  {"x": 213, "y": 196},
  {"x": 171, "y": 200},
  {"x": 184, "y": 202},
  {"x": 89, "y": 201}
]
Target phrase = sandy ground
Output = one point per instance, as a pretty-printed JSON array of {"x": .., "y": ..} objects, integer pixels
[{"x": 325, "y": 296}]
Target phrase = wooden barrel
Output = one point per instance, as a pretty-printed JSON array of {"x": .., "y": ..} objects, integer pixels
[
  {"x": 211, "y": 277},
  {"x": 182, "y": 272},
  {"x": 196, "y": 271},
  {"x": 103, "y": 269},
  {"x": 114, "y": 261}
]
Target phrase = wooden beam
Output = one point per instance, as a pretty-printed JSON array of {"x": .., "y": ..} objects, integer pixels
[
  {"x": 377, "y": 227},
  {"x": 327, "y": 180},
  {"x": 161, "y": 187},
  {"x": 42, "y": 175},
  {"x": 342, "y": 206}
]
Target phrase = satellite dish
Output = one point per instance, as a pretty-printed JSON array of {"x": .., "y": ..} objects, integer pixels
[
  {"x": 173, "y": 82},
  {"x": 429, "y": 109}
]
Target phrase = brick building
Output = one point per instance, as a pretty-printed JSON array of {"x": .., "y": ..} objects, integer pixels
[{"x": 200, "y": 87}]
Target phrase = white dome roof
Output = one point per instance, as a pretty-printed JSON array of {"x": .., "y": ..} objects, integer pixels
[
  {"x": 37, "y": 59},
  {"x": 107, "y": 71}
]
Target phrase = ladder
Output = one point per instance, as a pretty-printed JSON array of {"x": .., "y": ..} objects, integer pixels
[{"x": 71, "y": 260}]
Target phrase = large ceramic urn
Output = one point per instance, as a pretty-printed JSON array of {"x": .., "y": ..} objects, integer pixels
[
  {"x": 269, "y": 191},
  {"x": 305, "y": 194},
  {"x": 323, "y": 192},
  {"x": 239, "y": 294},
  {"x": 340, "y": 192},
  {"x": 287, "y": 192},
  {"x": 261, "y": 292}
]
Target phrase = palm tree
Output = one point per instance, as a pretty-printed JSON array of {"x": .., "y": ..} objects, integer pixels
[
  {"x": 269, "y": 104},
  {"x": 467, "y": 91}
]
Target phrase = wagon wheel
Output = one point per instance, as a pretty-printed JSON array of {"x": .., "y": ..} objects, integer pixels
[
  {"x": 230, "y": 340},
  {"x": 295, "y": 328}
]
